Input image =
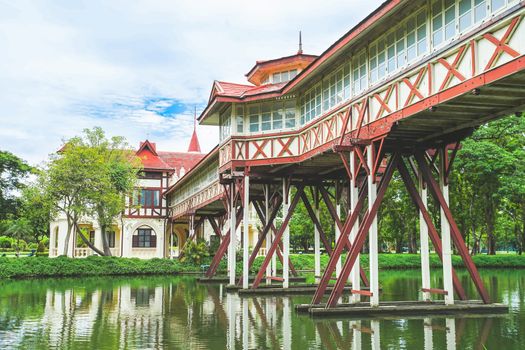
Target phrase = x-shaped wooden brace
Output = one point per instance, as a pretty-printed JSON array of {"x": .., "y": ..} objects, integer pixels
[
  {"x": 414, "y": 88},
  {"x": 346, "y": 117},
  {"x": 329, "y": 127},
  {"x": 317, "y": 131},
  {"x": 452, "y": 68},
  {"x": 502, "y": 44},
  {"x": 285, "y": 146},
  {"x": 305, "y": 138},
  {"x": 259, "y": 148},
  {"x": 384, "y": 102},
  {"x": 361, "y": 109}
]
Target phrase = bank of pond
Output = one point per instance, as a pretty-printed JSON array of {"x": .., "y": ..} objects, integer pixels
[{"x": 28, "y": 267}]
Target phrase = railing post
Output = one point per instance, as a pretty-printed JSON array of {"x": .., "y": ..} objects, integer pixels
[
  {"x": 372, "y": 237},
  {"x": 445, "y": 231}
]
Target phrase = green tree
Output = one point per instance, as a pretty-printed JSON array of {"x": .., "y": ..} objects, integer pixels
[
  {"x": 91, "y": 176},
  {"x": 19, "y": 230},
  {"x": 12, "y": 172}
]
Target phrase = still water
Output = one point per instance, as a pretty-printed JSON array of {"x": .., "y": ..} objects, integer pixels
[{"x": 179, "y": 313}]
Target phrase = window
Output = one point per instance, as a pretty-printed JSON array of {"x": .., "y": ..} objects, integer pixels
[
  {"x": 311, "y": 104},
  {"x": 144, "y": 238},
  {"x": 225, "y": 124},
  {"x": 92, "y": 237},
  {"x": 359, "y": 72},
  {"x": 240, "y": 119},
  {"x": 289, "y": 108},
  {"x": 266, "y": 117},
  {"x": 282, "y": 77},
  {"x": 111, "y": 239},
  {"x": 148, "y": 198},
  {"x": 254, "y": 118}
]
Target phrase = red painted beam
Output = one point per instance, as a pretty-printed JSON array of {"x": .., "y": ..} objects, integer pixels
[
  {"x": 278, "y": 236},
  {"x": 362, "y": 234},
  {"x": 432, "y": 231},
  {"x": 456, "y": 234}
]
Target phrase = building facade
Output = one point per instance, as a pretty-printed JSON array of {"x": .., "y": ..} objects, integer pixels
[{"x": 143, "y": 230}]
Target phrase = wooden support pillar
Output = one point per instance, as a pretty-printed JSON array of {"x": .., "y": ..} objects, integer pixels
[
  {"x": 278, "y": 237},
  {"x": 286, "y": 235},
  {"x": 446, "y": 243},
  {"x": 317, "y": 240},
  {"x": 427, "y": 334},
  {"x": 269, "y": 235},
  {"x": 432, "y": 231},
  {"x": 372, "y": 236},
  {"x": 450, "y": 326},
  {"x": 376, "y": 336},
  {"x": 456, "y": 234},
  {"x": 423, "y": 238},
  {"x": 337, "y": 228},
  {"x": 360, "y": 238},
  {"x": 354, "y": 196},
  {"x": 233, "y": 236},
  {"x": 246, "y": 232}
]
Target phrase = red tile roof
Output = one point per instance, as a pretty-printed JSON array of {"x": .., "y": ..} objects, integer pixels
[
  {"x": 194, "y": 143},
  {"x": 169, "y": 161},
  {"x": 241, "y": 90}
]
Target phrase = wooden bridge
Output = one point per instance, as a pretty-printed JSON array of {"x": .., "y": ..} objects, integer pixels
[{"x": 398, "y": 92}]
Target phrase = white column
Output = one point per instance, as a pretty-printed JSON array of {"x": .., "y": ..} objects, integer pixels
[
  {"x": 445, "y": 236},
  {"x": 450, "y": 325},
  {"x": 52, "y": 242},
  {"x": 376, "y": 336},
  {"x": 287, "y": 325},
  {"x": 372, "y": 236},
  {"x": 317, "y": 241},
  {"x": 286, "y": 237},
  {"x": 354, "y": 196},
  {"x": 98, "y": 238},
  {"x": 337, "y": 230},
  {"x": 427, "y": 334},
  {"x": 356, "y": 336},
  {"x": 231, "y": 320},
  {"x": 269, "y": 235},
  {"x": 160, "y": 240},
  {"x": 423, "y": 238},
  {"x": 245, "y": 322},
  {"x": 233, "y": 236},
  {"x": 246, "y": 232}
]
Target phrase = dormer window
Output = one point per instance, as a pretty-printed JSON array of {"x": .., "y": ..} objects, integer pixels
[{"x": 282, "y": 77}]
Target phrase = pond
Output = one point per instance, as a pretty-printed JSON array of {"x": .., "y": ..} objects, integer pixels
[{"x": 179, "y": 313}]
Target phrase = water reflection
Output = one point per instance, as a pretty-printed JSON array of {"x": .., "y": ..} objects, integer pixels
[{"x": 179, "y": 313}]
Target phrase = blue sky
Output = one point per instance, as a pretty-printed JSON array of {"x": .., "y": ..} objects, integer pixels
[{"x": 139, "y": 68}]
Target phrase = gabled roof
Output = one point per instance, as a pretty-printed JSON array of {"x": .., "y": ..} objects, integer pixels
[
  {"x": 225, "y": 89},
  {"x": 262, "y": 68},
  {"x": 167, "y": 161}
]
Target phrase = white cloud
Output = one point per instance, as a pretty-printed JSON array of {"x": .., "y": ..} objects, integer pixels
[{"x": 69, "y": 65}]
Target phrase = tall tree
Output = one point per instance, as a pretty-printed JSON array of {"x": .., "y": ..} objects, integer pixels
[
  {"x": 91, "y": 177},
  {"x": 12, "y": 171}
]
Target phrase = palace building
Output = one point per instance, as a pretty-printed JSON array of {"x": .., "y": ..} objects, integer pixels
[{"x": 142, "y": 231}]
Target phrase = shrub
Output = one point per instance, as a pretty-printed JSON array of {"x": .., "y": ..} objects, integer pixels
[
  {"x": 194, "y": 252},
  {"x": 20, "y": 245},
  {"x": 41, "y": 247},
  {"x": 5, "y": 242}
]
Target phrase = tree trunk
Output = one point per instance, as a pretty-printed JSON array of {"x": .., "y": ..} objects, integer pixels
[
  {"x": 85, "y": 240},
  {"x": 68, "y": 235},
  {"x": 490, "y": 220},
  {"x": 105, "y": 243}
]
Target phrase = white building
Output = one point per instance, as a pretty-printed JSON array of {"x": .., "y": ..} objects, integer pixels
[{"x": 143, "y": 230}]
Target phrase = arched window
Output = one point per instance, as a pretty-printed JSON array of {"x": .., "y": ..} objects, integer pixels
[{"x": 144, "y": 237}]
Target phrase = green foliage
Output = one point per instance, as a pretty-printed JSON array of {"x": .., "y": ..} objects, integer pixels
[
  {"x": 195, "y": 252},
  {"x": 5, "y": 242},
  {"x": 12, "y": 172}
]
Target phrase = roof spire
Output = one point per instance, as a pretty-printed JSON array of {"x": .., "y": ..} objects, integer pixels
[
  {"x": 194, "y": 142},
  {"x": 300, "y": 51}
]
